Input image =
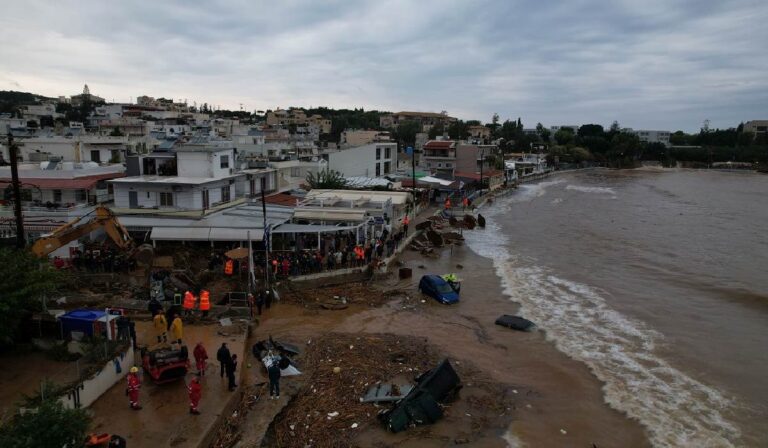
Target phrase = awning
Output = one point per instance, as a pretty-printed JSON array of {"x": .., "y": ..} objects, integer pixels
[
  {"x": 180, "y": 233},
  {"x": 230, "y": 234},
  {"x": 329, "y": 214},
  {"x": 204, "y": 234},
  {"x": 311, "y": 228},
  {"x": 78, "y": 183}
]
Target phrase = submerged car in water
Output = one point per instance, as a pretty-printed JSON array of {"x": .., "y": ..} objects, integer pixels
[{"x": 439, "y": 289}]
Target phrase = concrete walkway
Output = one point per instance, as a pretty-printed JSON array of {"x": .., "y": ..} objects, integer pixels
[{"x": 165, "y": 419}]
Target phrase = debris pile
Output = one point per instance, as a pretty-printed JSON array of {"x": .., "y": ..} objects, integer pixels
[
  {"x": 229, "y": 432},
  {"x": 335, "y": 297},
  {"x": 340, "y": 369}
]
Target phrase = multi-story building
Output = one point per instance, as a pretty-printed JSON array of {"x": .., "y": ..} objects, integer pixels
[
  {"x": 479, "y": 133},
  {"x": 205, "y": 179},
  {"x": 425, "y": 119},
  {"x": 372, "y": 160},
  {"x": 55, "y": 193},
  {"x": 648, "y": 136},
  {"x": 356, "y": 137},
  {"x": 757, "y": 127},
  {"x": 439, "y": 158},
  {"x": 36, "y": 111},
  {"x": 81, "y": 148},
  {"x": 298, "y": 117}
]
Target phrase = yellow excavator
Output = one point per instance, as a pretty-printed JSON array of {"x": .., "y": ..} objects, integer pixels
[{"x": 100, "y": 218}]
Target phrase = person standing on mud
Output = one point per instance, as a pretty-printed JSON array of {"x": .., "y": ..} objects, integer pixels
[
  {"x": 161, "y": 327},
  {"x": 195, "y": 393},
  {"x": 260, "y": 302},
  {"x": 231, "y": 367},
  {"x": 177, "y": 329},
  {"x": 267, "y": 298},
  {"x": 273, "y": 371},
  {"x": 200, "y": 357},
  {"x": 134, "y": 384},
  {"x": 223, "y": 356}
]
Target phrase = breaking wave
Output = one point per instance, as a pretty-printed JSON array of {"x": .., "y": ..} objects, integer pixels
[
  {"x": 597, "y": 190},
  {"x": 676, "y": 409}
]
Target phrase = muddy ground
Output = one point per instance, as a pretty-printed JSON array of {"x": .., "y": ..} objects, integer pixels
[{"x": 554, "y": 400}]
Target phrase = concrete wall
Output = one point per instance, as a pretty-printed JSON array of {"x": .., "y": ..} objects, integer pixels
[
  {"x": 107, "y": 377},
  {"x": 204, "y": 163},
  {"x": 361, "y": 161}
]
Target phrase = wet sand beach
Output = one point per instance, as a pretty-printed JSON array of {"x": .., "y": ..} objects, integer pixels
[{"x": 557, "y": 401}]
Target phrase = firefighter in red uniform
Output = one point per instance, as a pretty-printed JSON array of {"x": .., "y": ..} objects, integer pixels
[
  {"x": 195, "y": 393},
  {"x": 406, "y": 221},
  {"x": 134, "y": 384},
  {"x": 229, "y": 267},
  {"x": 200, "y": 356}
]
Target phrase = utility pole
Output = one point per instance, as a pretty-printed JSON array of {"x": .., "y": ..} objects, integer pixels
[
  {"x": 413, "y": 178},
  {"x": 482, "y": 157},
  {"x": 13, "y": 152},
  {"x": 265, "y": 237}
]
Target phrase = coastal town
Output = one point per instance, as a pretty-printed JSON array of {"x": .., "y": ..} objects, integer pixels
[
  {"x": 166, "y": 233},
  {"x": 412, "y": 224}
]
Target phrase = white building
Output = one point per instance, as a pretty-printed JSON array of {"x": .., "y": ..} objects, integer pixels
[
  {"x": 206, "y": 179},
  {"x": 82, "y": 148},
  {"x": 371, "y": 160},
  {"x": 648, "y": 136},
  {"x": 35, "y": 111},
  {"x": 55, "y": 193}
]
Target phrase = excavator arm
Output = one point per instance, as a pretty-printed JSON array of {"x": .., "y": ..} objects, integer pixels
[{"x": 103, "y": 219}]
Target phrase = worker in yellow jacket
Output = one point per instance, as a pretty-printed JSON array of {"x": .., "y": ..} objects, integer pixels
[
  {"x": 177, "y": 329},
  {"x": 161, "y": 327}
]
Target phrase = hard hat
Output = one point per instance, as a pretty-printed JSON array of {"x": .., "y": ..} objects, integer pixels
[{"x": 134, "y": 369}]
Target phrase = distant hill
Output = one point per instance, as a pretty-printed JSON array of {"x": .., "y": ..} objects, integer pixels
[{"x": 10, "y": 100}]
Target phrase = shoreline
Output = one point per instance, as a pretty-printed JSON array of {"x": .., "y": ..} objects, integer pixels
[{"x": 553, "y": 392}]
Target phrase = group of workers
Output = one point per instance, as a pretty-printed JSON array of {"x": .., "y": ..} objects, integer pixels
[{"x": 190, "y": 301}]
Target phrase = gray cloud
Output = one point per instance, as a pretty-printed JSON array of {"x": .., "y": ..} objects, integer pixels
[{"x": 653, "y": 64}]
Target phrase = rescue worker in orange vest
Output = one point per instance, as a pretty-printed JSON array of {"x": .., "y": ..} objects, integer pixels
[
  {"x": 205, "y": 302},
  {"x": 189, "y": 303},
  {"x": 195, "y": 393},
  {"x": 360, "y": 253},
  {"x": 447, "y": 203},
  {"x": 134, "y": 384},
  {"x": 229, "y": 266},
  {"x": 406, "y": 221}
]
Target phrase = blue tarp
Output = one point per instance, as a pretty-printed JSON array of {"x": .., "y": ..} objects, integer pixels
[{"x": 80, "y": 320}]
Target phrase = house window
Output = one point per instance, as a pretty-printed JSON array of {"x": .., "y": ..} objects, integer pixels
[
  {"x": 224, "y": 162},
  {"x": 448, "y": 164},
  {"x": 387, "y": 153},
  {"x": 56, "y": 195},
  {"x": 225, "y": 194},
  {"x": 439, "y": 164},
  {"x": 378, "y": 155},
  {"x": 166, "y": 199},
  {"x": 387, "y": 166},
  {"x": 378, "y": 169},
  {"x": 81, "y": 195}
]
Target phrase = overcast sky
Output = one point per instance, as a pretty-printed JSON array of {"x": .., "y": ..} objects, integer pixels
[{"x": 648, "y": 64}]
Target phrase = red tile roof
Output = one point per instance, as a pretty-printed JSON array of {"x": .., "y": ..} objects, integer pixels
[
  {"x": 281, "y": 199},
  {"x": 440, "y": 144}
]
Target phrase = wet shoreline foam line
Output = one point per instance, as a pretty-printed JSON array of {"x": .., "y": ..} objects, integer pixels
[{"x": 675, "y": 409}]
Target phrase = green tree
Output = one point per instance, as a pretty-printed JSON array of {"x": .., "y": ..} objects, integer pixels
[
  {"x": 564, "y": 136},
  {"x": 52, "y": 426},
  {"x": 116, "y": 132},
  {"x": 326, "y": 179},
  {"x": 458, "y": 130},
  {"x": 406, "y": 132},
  {"x": 591, "y": 130},
  {"x": 24, "y": 279},
  {"x": 436, "y": 130}
]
